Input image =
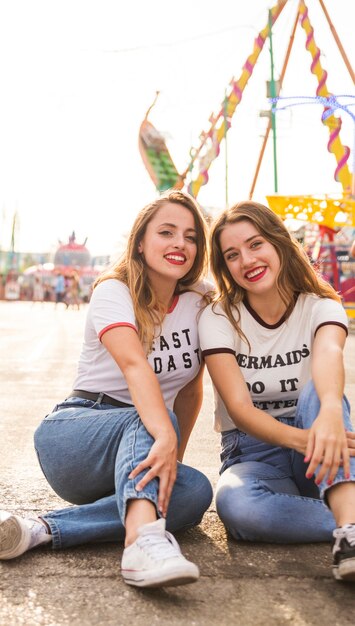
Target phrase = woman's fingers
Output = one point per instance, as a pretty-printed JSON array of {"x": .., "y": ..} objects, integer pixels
[
  {"x": 163, "y": 500},
  {"x": 328, "y": 448},
  {"x": 164, "y": 470},
  {"x": 309, "y": 454},
  {"x": 322, "y": 457},
  {"x": 140, "y": 467},
  {"x": 346, "y": 460},
  {"x": 150, "y": 475},
  {"x": 166, "y": 485},
  {"x": 329, "y": 458},
  {"x": 334, "y": 466}
]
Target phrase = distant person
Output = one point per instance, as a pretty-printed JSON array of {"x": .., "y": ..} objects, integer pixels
[
  {"x": 59, "y": 289},
  {"x": 273, "y": 344},
  {"x": 38, "y": 291},
  {"x": 73, "y": 291},
  {"x": 111, "y": 447},
  {"x": 48, "y": 292}
]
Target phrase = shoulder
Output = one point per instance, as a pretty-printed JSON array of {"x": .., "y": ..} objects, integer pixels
[
  {"x": 211, "y": 311},
  {"x": 111, "y": 286},
  {"x": 216, "y": 331},
  {"x": 213, "y": 319},
  {"x": 111, "y": 293},
  {"x": 316, "y": 303},
  {"x": 323, "y": 310},
  {"x": 112, "y": 283}
]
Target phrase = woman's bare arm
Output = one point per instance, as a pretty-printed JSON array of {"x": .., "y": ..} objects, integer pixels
[
  {"x": 187, "y": 407},
  {"x": 125, "y": 347}
]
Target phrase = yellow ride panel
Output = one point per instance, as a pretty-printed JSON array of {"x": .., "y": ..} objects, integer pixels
[{"x": 322, "y": 210}]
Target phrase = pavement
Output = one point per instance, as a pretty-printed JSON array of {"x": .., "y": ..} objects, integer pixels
[{"x": 241, "y": 584}]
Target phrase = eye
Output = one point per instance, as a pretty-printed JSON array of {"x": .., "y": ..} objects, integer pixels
[
  {"x": 191, "y": 238},
  {"x": 231, "y": 256},
  {"x": 165, "y": 233},
  {"x": 256, "y": 244}
]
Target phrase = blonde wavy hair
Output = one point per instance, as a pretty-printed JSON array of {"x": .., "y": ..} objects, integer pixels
[
  {"x": 297, "y": 275},
  {"x": 131, "y": 268}
]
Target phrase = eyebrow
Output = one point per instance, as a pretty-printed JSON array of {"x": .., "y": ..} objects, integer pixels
[
  {"x": 175, "y": 226},
  {"x": 246, "y": 241}
]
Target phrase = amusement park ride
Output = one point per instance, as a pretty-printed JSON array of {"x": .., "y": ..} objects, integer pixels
[{"x": 326, "y": 214}]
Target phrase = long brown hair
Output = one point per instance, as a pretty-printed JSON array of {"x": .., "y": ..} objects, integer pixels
[
  {"x": 131, "y": 269},
  {"x": 297, "y": 275}
]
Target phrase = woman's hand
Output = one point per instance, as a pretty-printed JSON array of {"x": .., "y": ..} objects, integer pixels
[
  {"x": 162, "y": 464},
  {"x": 303, "y": 436},
  {"x": 329, "y": 446}
]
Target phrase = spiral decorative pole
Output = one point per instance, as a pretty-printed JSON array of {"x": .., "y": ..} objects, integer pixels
[
  {"x": 341, "y": 153},
  {"x": 222, "y": 121}
]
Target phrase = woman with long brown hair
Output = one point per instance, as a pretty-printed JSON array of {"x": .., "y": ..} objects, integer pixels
[
  {"x": 273, "y": 344},
  {"x": 112, "y": 447}
]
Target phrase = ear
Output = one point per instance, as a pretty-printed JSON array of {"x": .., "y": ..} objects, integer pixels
[{"x": 140, "y": 248}]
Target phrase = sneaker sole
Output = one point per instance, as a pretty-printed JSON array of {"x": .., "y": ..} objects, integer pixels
[
  {"x": 345, "y": 570},
  {"x": 17, "y": 539},
  {"x": 173, "y": 582},
  {"x": 164, "y": 580}
]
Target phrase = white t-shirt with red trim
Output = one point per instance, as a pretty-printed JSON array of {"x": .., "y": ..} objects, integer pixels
[
  {"x": 175, "y": 357},
  {"x": 278, "y": 364}
]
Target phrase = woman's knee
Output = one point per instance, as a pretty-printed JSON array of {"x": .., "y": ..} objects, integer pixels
[
  {"x": 68, "y": 471},
  {"x": 308, "y": 407},
  {"x": 234, "y": 507},
  {"x": 244, "y": 504},
  {"x": 191, "y": 497},
  {"x": 203, "y": 492},
  {"x": 196, "y": 485}
]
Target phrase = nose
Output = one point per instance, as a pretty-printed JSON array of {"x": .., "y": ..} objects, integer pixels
[
  {"x": 247, "y": 258},
  {"x": 179, "y": 240}
]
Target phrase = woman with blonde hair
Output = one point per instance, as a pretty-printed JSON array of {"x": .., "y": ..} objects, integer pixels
[
  {"x": 273, "y": 344},
  {"x": 112, "y": 447}
]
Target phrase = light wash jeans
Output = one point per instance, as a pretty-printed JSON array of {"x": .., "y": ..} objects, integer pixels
[
  {"x": 263, "y": 494},
  {"x": 86, "y": 451}
]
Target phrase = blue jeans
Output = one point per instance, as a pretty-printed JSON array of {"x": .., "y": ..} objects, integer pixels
[
  {"x": 263, "y": 493},
  {"x": 86, "y": 451}
]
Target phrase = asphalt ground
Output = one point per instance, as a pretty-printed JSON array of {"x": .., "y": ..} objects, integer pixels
[{"x": 241, "y": 584}]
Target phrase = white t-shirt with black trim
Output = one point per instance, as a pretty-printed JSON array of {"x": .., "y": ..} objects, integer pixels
[
  {"x": 279, "y": 363},
  {"x": 175, "y": 357}
]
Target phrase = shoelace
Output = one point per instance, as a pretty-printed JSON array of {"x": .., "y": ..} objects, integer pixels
[
  {"x": 346, "y": 532},
  {"x": 160, "y": 547}
]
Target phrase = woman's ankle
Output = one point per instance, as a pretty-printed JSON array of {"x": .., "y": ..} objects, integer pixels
[
  {"x": 341, "y": 501},
  {"x": 45, "y": 524},
  {"x": 139, "y": 513}
]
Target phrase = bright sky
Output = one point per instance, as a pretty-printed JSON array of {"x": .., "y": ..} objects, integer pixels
[{"x": 77, "y": 77}]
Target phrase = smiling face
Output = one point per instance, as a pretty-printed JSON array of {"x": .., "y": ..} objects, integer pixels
[
  {"x": 251, "y": 260},
  {"x": 169, "y": 244}
]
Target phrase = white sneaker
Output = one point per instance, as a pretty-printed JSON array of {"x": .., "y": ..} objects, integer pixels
[
  {"x": 155, "y": 559},
  {"x": 344, "y": 553},
  {"x": 18, "y": 535}
]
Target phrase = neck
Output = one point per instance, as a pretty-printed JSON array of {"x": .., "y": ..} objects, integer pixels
[
  {"x": 270, "y": 308},
  {"x": 164, "y": 290}
]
